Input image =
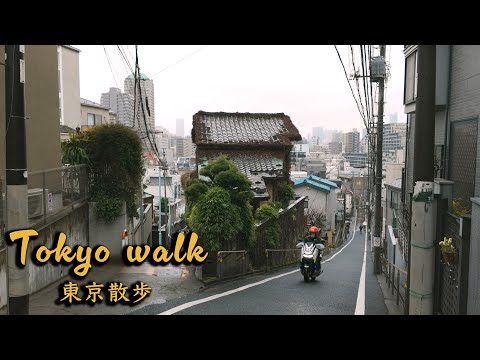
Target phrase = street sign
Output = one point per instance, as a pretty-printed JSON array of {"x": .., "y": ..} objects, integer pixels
[{"x": 376, "y": 241}]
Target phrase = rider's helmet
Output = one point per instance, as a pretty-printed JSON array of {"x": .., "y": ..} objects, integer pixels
[{"x": 313, "y": 230}]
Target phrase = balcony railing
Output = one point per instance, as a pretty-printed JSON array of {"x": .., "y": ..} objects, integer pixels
[{"x": 52, "y": 192}]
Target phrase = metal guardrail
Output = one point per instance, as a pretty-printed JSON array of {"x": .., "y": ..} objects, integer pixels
[
  {"x": 392, "y": 278},
  {"x": 231, "y": 266},
  {"x": 53, "y": 192}
]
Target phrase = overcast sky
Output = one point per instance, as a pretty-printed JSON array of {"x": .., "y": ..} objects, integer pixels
[{"x": 306, "y": 82}]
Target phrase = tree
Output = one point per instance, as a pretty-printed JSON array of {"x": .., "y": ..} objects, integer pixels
[
  {"x": 225, "y": 174},
  {"x": 74, "y": 150},
  {"x": 285, "y": 194},
  {"x": 221, "y": 163},
  {"x": 196, "y": 189},
  {"x": 214, "y": 218},
  {"x": 272, "y": 231},
  {"x": 115, "y": 168},
  {"x": 236, "y": 184},
  {"x": 316, "y": 218}
]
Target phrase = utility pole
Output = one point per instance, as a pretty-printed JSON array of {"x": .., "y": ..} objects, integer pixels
[
  {"x": 159, "y": 204},
  {"x": 16, "y": 174},
  {"x": 166, "y": 205},
  {"x": 378, "y": 173},
  {"x": 421, "y": 272},
  {"x": 142, "y": 225}
]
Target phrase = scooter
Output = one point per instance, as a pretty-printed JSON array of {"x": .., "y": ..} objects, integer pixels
[{"x": 311, "y": 258}]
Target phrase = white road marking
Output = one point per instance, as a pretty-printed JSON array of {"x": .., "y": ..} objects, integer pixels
[
  {"x": 213, "y": 297},
  {"x": 353, "y": 235},
  {"x": 245, "y": 287},
  {"x": 360, "y": 308}
]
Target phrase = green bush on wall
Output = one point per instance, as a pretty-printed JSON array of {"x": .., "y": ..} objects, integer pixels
[{"x": 114, "y": 157}]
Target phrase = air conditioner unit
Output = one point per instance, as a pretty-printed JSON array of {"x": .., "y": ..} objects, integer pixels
[{"x": 36, "y": 200}]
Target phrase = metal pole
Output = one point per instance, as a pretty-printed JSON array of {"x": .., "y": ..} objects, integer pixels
[
  {"x": 378, "y": 173},
  {"x": 422, "y": 242},
  {"x": 142, "y": 226},
  {"x": 16, "y": 173},
  {"x": 159, "y": 208},
  {"x": 394, "y": 251},
  {"x": 167, "y": 232}
]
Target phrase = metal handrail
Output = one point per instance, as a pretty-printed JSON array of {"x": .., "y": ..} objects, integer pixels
[
  {"x": 396, "y": 267},
  {"x": 394, "y": 281},
  {"x": 220, "y": 258},
  {"x": 56, "y": 169}
]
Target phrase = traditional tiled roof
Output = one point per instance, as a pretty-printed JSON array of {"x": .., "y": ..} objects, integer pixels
[
  {"x": 255, "y": 167},
  {"x": 243, "y": 129}
]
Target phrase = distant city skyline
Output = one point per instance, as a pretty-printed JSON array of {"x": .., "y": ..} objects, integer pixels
[{"x": 238, "y": 78}]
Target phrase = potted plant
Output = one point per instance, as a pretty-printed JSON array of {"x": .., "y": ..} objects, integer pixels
[{"x": 448, "y": 250}]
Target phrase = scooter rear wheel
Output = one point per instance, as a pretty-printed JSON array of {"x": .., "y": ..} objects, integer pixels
[{"x": 306, "y": 278}]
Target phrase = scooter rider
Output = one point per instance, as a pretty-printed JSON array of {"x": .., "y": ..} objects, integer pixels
[{"x": 314, "y": 236}]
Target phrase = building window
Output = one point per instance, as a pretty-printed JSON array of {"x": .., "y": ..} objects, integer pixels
[
  {"x": 411, "y": 78},
  {"x": 94, "y": 119}
]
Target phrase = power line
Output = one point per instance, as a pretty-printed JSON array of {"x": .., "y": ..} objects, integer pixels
[
  {"x": 346, "y": 76},
  {"x": 125, "y": 60},
  {"x": 356, "y": 81},
  {"x": 153, "y": 144},
  {"x": 169, "y": 66},
  {"x": 110, "y": 65},
  {"x": 365, "y": 86}
]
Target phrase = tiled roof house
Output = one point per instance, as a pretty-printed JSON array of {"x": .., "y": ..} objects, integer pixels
[{"x": 259, "y": 144}]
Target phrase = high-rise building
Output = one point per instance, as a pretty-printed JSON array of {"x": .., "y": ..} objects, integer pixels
[
  {"x": 184, "y": 147},
  {"x": 317, "y": 131},
  {"x": 364, "y": 141},
  {"x": 352, "y": 141},
  {"x": 121, "y": 104},
  {"x": 335, "y": 147},
  {"x": 144, "y": 121},
  {"x": 180, "y": 128},
  {"x": 394, "y": 136},
  {"x": 338, "y": 136}
]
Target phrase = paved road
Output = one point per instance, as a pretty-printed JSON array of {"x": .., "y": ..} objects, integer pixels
[{"x": 335, "y": 292}]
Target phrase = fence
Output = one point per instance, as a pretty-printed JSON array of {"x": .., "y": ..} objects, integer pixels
[
  {"x": 452, "y": 279},
  {"x": 292, "y": 224},
  {"x": 281, "y": 257},
  {"x": 395, "y": 279},
  {"x": 230, "y": 263},
  {"x": 53, "y": 192}
]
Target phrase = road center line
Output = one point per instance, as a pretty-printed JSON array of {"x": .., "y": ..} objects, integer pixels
[{"x": 360, "y": 308}]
